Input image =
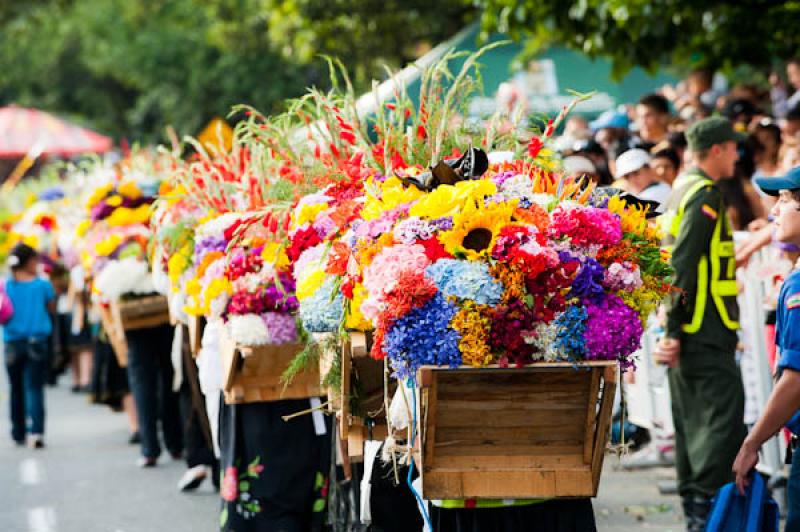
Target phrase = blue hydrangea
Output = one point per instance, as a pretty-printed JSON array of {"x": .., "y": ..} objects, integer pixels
[
  {"x": 571, "y": 325},
  {"x": 320, "y": 313},
  {"x": 423, "y": 336},
  {"x": 466, "y": 280}
]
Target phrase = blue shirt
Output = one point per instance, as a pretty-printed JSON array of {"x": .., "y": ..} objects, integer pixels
[
  {"x": 31, "y": 318},
  {"x": 787, "y": 332}
]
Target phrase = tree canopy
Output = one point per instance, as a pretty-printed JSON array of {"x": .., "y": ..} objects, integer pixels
[
  {"x": 649, "y": 33},
  {"x": 131, "y": 68}
]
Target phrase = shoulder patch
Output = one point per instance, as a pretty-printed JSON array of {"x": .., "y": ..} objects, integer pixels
[
  {"x": 709, "y": 211},
  {"x": 793, "y": 301}
]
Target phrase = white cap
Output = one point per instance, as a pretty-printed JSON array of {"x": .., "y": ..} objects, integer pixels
[
  {"x": 632, "y": 161},
  {"x": 578, "y": 164}
]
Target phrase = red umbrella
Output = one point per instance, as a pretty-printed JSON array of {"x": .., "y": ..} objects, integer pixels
[{"x": 29, "y": 131}]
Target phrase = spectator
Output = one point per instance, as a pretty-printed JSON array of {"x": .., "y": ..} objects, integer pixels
[
  {"x": 782, "y": 103},
  {"x": 595, "y": 153},
  {"x": 741, "y": 198},
  {"x": 634, "y": 167},
  {"x": 699, "y": 345},
  {"x": 27, "y": 344},
  {"x": 611, "y": 132},
  {"x": 790, "y": 125},
  {"x": 652, "y": 119},
  {"x": 580, "y": 165},
  {"x": 740, "y": 112},
  {"x": 766, "y": 141},
  {"x": 576, "y": 129},
  {"x": 666, "y": 164}
]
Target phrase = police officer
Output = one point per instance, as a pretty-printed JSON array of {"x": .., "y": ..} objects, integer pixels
[{"x": 702, "y": 318}]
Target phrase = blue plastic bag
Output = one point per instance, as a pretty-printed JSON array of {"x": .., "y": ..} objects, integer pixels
[{"x": 755, "y": 511}]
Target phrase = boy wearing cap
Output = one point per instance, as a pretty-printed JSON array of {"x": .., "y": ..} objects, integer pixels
[
  {"x": 702, "y": 319},
  {"x": 634, "y": 167},
  {"x": 784, "y": 402}
]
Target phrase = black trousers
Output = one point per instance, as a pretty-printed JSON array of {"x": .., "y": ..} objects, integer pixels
[{"x": 150, "y": 376}]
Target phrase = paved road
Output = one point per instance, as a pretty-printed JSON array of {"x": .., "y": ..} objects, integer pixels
[{"x": 86, "y": 481}]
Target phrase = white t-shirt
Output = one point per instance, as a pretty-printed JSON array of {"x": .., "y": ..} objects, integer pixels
[{"x": 658, "y": 191}]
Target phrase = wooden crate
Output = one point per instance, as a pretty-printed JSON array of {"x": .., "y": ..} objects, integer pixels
[
  {"x": 116, "y": 336},
  {"x": 534, "y": 432},
  {"x": 195, "y": 326},
  {"x": 253, "y": 373},
  {"x": 140, "y": 312}
]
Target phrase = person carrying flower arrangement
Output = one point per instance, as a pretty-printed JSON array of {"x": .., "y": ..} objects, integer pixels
[
  {"x": 782, "y": 407},
  {"x": 702, "y": 320}
]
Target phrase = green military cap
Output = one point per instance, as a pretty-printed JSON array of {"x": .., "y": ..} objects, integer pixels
[{"x": 713, "y": 130}]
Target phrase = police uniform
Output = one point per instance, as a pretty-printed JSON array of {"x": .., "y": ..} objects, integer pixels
[
  {"x": 706, "y": 386},
  {"x": 788, "y": 341}
]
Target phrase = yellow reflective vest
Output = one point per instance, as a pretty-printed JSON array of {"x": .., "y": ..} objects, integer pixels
[{"x": 716, "y": 269}]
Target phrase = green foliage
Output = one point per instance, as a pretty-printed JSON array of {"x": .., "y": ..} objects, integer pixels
[
  {"x": 131, "y": 68},
  {"x": 648, "y": 33}
]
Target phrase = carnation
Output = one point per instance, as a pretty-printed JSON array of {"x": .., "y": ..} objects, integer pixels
[
  {"x": 248, "y": 329},
  {"x": 126, "y": 276}
]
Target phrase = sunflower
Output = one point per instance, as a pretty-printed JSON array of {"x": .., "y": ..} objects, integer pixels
[{"x": 475, "y": 229}]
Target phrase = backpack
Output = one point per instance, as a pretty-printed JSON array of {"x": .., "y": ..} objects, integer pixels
[
  {"x": 755, "y": 511},
  {"x": 6, "y": 306}
]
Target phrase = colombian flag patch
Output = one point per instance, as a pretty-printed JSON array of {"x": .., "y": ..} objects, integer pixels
[
  {"x": 709, "y": 211},
  {"x": 793, "y": 301}
]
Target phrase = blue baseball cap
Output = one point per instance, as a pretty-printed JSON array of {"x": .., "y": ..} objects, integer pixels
[
  {"x": 773, "y": 185},
  {"x": 610, "y": 118}
]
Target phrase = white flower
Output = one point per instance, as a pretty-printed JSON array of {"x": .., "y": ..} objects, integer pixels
[
  {"x": 248, "y": 329},
  {"x": 126, "y": 276}
]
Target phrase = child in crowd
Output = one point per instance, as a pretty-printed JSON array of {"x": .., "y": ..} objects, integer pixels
[{"x": 785, "y": 399}]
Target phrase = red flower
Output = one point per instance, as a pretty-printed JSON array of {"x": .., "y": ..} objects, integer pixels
[
  {"x": 434, "y": 249},
  {"x": 229, "y": 490},
  {"x": 534, "y": 147},
  {"x": 301, "y": 241},
  {"x": 347, "y": 289},
  {"x": 347, "y": 137},
  {"x": 421, "y": 133}
]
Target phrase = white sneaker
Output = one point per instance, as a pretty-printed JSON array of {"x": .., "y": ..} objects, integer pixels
[
  {"x": 36, "y": 441},
  {"x": 193, "y": 477}
]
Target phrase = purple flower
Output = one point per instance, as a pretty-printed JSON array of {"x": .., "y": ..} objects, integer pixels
[
  {"x": 613, "y": 331},
  {"x": 588, "y": 284},
  {"x": 281, "y": 327}
]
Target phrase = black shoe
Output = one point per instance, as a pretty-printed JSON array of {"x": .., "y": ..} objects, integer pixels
[
  {"x": 702, "y": 508},
  {"x": 75, "y": 388},
  {"x": 135, "y": 438},
  {"x": 193, "y": 477},
  {"x": 146, "y": 462}
]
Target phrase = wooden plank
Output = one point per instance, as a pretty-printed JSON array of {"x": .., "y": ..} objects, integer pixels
[
  {"x": 591, "y": 416},
  {"x": 603, "y": 424},
  {"x": 539, "y": 457},
  {"x": 428, "y": 421},
  {"x": 507, "y": 484},
  {"x": 358, "y": 344},
  {"x": 344, "y": 411}
]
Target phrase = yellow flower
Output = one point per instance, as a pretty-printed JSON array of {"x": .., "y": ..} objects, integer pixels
[
  {"x": 275, "y": 254},
  {"x": 308, "y": 213},
  {"x": 98, "y": 194},
  {"x": 310, "y": 284},
  {"x": 31, "y": 240},
  {"x": 473, "y": 324},
  {"x": 447, "y": 200},
  {"x": 83, "y": 227},
  {"x": 107, "y": 246},
  {"x": 129, "y": 190},
  {"x": 355, "y": 320},
  {"x": 391, "y": 194},
  {"x": 475, "y": 229},
  {"x": 127, "y": 216},
  {"x": 178, "y": 263},
  {"x": 114, "y": 200}
]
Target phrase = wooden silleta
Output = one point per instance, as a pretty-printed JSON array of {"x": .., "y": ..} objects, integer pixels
[
  {"x": 533, "y": 432},
  {"x": 253, "y": 373}
]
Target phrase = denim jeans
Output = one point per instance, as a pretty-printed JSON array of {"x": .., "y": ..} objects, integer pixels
[
  {"x": 26, "y": 363},
  {"x": 793, "y": 491},
  {"x": 150, "y": 376}
]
